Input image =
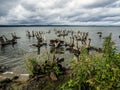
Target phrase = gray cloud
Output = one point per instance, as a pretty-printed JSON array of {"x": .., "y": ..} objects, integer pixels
[
  {"x": 6, "y": 5},
  {"x": 86, "y": 12},
  {"x": 101, "y": 3}
]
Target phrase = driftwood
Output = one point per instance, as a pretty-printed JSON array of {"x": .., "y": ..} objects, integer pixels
[{"x": 5, "y": 41}]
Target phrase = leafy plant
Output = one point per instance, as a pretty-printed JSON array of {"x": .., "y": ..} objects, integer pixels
[
  {"x": 108, "y": 48},
  {"x": 96, "y": 71},
  {"x": 33, "y": 66}
]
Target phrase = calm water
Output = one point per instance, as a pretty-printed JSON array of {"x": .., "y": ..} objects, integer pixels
[{"x": 15, "y": 57}]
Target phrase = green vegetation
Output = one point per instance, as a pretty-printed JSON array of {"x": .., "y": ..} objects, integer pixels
[
  {"x": 33, "y": 66},
  {"x": 38, "y": 68},
  {"x": 93, "y": 71},
  {"x": 99, "y": 71},
  {"x": 96, "y": 71}
]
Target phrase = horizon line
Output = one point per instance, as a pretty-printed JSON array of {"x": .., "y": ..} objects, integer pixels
[{"x": 25, "y": 25}]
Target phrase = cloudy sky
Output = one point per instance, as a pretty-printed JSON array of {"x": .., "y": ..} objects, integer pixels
[{"x": 60, "y": 12}]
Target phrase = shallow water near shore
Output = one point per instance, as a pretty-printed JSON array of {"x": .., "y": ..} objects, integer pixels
[{"x": 14, "y": 57}]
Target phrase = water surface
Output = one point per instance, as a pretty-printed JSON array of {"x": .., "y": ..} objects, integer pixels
[{"x": 14, "y": 57}]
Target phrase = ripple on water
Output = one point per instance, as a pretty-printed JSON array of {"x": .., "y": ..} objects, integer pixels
[{"x": 14, "y": 57}]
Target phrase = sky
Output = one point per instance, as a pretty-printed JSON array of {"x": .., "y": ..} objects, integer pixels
[{"x": 60, "y": 12}]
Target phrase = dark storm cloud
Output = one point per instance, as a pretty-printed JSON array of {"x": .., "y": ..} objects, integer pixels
[
  {"x": 101, "y": 3},
  {"x": 6, "y": 5},
  {"x": 80, "y": 12}
]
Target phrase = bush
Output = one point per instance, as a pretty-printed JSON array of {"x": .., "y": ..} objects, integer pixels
[
  {"x": 32, "y": 66},
  {"x": 96, "y": 71},
  {"x": 35, "y": 68}
]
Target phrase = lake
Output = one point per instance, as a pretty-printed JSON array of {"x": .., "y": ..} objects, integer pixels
[{"x": 14, "y": 57}]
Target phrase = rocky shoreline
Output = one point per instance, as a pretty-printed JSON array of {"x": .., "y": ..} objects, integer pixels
[{"x": 11, "y": 81}]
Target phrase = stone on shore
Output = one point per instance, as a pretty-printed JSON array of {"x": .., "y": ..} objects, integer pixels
[{"x": 53, "y": 76}]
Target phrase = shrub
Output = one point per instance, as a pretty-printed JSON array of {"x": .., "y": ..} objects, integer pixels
[
  {"x": 96, "y": 71},
  {"x": 35, "y": 68},
  {"x": 32, "y": 66}
]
